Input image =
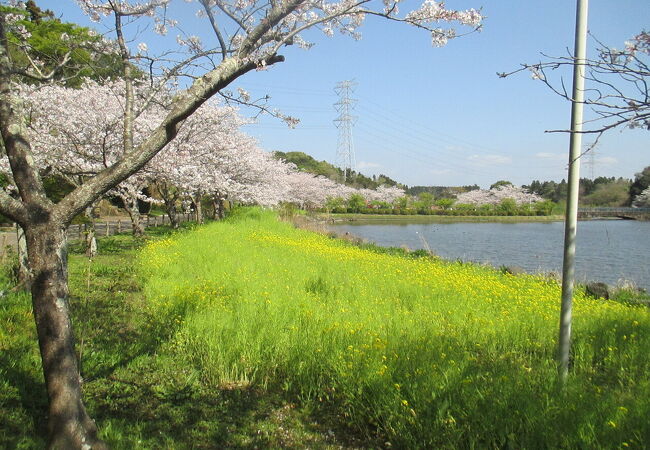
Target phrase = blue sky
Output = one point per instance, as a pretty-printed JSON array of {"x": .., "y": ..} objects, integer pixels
[{"x": 441, "y": 116}]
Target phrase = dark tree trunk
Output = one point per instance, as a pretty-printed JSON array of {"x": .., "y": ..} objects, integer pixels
[
  {"x": 199, "y": 208},
  {"x": 215, "y": 208},
  {"x": 69, "y": 425},
  {"x": 131, "y": 206},
  {"x": 170, "y": 208},
  {"x": 221, "y": 208},
  {"x": 170, "y": 197}
]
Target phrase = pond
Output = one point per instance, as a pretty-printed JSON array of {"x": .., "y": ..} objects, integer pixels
[{"x": 611, "y": 251}]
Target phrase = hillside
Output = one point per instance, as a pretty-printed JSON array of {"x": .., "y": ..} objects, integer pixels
[{"x": 306, "y": 163}]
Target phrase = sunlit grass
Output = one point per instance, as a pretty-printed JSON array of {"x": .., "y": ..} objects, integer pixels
[{"x": 417, "y": 351}]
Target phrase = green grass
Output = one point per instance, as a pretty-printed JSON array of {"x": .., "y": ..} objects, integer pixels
[
  {"x": 140, "y": 394},
  {"x": 249, "y": 333},
  {"x": 416, "y": 352}
]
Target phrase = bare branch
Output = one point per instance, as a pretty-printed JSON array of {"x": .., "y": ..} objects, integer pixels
[
  {"x": 260, "y": 105},
  {"x": 215, "y": 27},
  {"x": 618, "y": 86}
]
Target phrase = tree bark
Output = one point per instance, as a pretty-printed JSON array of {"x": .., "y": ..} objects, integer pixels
[
  {"x": 220, "y": 208},
  {"x": 199, "y": 208},
  {"x": 131, "y": 206},
  {"x": 69, "y": 425},
  {"x": 215, "y": 208},
  {"x": 91, "y": 238},
  {"x": 24, "y": 273},
  {"x": 170, "y": 208}
]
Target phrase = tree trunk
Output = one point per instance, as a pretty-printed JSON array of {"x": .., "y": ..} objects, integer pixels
[
  {"x": 24, "y": 273},
  {"x": 221, "y": 208},
  {"x": 170, "y": 207},
  {"x": 69, "y": 425},
  {"x": 199, "y": 208},
  {"x": 215, "y": 207},
  {"x": 131, "y": 206},
  {"x": 91, "y": 239}
]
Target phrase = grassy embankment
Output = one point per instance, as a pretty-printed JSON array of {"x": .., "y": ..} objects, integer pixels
[
  {"x": 250, "y": 332},
  {"x": 140, "y": 392}
]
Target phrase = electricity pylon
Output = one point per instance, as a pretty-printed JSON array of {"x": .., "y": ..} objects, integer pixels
[{"x": 345, "y": 148}]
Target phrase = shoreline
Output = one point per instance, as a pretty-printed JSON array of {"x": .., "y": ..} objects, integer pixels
[
  {"x": 321, "y": 224},
  {"x": 414, "y": 218}
]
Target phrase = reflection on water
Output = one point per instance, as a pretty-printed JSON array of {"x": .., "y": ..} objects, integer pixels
[{"x": 607, "y": 250}]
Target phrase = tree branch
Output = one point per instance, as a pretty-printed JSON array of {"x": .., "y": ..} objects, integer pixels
[
  {"x": 13, "y": 208},
  {"x": 215, "y": 27}
]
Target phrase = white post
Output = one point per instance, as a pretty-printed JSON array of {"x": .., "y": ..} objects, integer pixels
[{"x": 571, "y": 219}]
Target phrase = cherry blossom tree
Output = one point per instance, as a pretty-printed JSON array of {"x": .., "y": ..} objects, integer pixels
[
  {"x": 496, "y": 195},
  {"x": 247, "y": 36},
  {"x": 76, "y": 133},
  {"x": 642, "y": 200},
  {"x": 386, "y": 194},
  {"x": 211, "y": 156},
  {"x": 310, "y": 191}
]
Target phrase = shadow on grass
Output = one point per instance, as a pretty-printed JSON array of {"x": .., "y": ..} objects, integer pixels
[
  {"x": 23, "y": 399},
  {"x": 156, "y": 404},
  {"x": 23, "y": 402}
]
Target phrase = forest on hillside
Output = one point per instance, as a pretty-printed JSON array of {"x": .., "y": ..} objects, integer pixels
[{"x": 597, "y": 192}]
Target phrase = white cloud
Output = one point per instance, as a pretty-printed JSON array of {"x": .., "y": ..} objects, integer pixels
[
  {"x": 367, "y": 165},
  {"x": 490, "y": 160}
]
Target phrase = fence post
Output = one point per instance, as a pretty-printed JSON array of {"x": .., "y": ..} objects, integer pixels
[{"x": 119, "y": 226}]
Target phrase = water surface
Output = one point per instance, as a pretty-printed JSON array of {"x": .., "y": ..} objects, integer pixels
[{"x": 607, "y": 250}]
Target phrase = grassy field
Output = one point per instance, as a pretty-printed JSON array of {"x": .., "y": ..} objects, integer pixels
[
  {"x": 250, "y": 333},
  {"x": 140, "y": 392},
  {"x": 412, "y": 351}
]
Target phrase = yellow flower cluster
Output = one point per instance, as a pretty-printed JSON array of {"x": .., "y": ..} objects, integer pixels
[{"x": 267, "y": 299}]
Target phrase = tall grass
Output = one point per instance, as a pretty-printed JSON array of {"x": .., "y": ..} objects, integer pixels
[{"x": 419, "y": 352}]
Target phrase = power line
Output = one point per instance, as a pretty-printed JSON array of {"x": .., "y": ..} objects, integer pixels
[{"x": 591, "y": 162}]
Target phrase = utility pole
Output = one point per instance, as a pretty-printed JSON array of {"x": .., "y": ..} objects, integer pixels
[
  {"x": 571, "y": 219},
  {"x": 345, "y": 147}
]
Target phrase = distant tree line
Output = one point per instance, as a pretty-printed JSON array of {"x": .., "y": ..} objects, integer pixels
[
  {"x": 597, "y": 192},
  {"x": 441, "y": 191},
  {"x": 307, "y": 163},
  {"x": 600, "y": 191}
]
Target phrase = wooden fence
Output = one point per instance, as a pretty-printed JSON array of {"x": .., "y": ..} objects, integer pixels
[
  {"x": 111, "y": 227},
  {"x": 102, "y": 228}
]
